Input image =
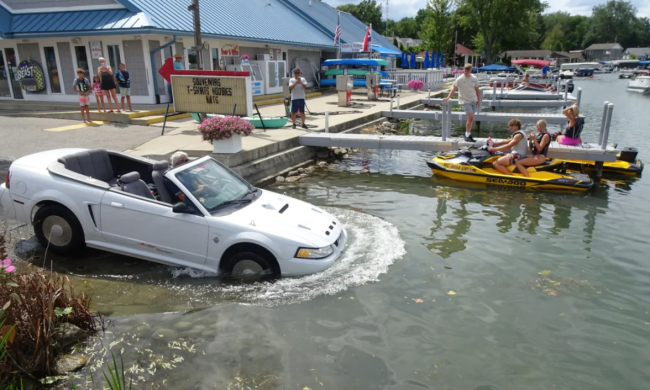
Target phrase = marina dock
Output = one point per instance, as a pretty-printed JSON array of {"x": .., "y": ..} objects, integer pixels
[
  {"x": 507, "y": 103},
  {"x": 590, "y": 152},
  {"x": 502, "y": 117}
]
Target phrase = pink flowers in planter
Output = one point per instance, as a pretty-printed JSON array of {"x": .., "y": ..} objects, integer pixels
[
  {"x": 415, "y": 85},
  {"x": 6, "y": 267},
  {"x": 224, "y": 127}
]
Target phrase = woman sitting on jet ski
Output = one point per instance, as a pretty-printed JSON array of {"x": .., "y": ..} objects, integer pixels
[
  {"x": 518, "y": 145},
  {"x": 538, "y": 145}
]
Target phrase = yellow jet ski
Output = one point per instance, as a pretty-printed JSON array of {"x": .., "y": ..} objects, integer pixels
[
  {"x": 626, "y": 164},
  {"x": 475, "y": 165}
]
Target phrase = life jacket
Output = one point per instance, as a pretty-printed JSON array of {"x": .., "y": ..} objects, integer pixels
[
  {"x": 522, "y": 146},
  {"x": 574, "y": 132},
  {"x": 540, "y": 137}
]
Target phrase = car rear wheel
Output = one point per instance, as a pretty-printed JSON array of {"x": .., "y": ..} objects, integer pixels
[
  {"x": 249, "y": 264},
  {"x": 58, "y": 230}
]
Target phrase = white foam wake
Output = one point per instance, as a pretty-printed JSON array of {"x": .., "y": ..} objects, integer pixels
[{"x": 373, "y": 245}]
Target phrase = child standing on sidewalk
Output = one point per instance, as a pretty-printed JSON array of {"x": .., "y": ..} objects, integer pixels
[
  {"x": 82, "y": 87},
  {"x": 124, "y": 80},
  {"x": 99, "y": 94}
]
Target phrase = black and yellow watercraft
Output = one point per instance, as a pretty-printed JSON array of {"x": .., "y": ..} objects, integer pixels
[
  {"x": 626, "y": 164},
  {"x": 475, "y": 166}
]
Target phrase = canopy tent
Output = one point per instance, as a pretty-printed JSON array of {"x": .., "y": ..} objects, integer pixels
[
  {"x": 385, "y": 52},
  {"x": 536, "y": 63},
  {"x": 356, "y": 61}
]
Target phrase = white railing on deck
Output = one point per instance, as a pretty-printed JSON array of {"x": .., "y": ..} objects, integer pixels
[{"x": 432, "y": 78}]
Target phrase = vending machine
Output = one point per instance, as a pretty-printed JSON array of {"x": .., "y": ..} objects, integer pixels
[
  {"x": 272, "y": 72},
  {"x": 257, "y": 77},
  {"x": 344, "y": 85},
  {"x": 372, "y": 83}
]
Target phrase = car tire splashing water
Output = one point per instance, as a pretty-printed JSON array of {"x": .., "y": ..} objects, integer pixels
[{"x": 373, "y": 245}]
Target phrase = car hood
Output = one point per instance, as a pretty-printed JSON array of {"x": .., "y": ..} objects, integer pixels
[{"x": 290, "y": 218}]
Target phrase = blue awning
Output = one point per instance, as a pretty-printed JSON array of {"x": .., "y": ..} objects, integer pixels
[
  {"x": 493, "y": 67},
  {"x": 385, "y": 52},
  {"x": 644, "y": 62}
]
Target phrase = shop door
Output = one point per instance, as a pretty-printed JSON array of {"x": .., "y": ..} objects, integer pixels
[
  {"x": 5, "y": 86},
  {"x": 114, "y": 60},
  {"x": 11, "y": 68}
]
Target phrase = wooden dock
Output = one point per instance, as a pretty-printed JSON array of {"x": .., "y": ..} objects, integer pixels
[{"x": 588, "y": 152}]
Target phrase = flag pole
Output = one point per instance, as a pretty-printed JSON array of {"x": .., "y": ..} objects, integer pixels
[{"x": 339, "y": 26}]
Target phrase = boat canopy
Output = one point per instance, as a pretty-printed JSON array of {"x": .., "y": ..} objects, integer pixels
[
  {"x": 536, "y": 63},
  {"x": 493, "y": 67},
  {"x": 385, "y": 52},
  {"x": 354, "y": 72},
  {"x": 356, "y": 61}
]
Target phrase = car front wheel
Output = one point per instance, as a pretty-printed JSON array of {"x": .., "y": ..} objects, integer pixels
[
  {"x": 58, "y": 230},
  {"x": 249, "y": 263}
]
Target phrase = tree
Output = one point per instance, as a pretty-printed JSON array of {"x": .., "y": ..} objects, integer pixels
[
  {"x": 367, "y": 11},
  {"x": 554, "y": 40},
  {"x": 435, "y": 30},
  {"x": 614, "y": 21},
  {"x": 395, "y": 42},
  {"x": 497, "y": 19},
  {"x": 633, "y": 56}
]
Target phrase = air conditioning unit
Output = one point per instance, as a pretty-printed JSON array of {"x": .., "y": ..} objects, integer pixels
[{"x": 263, "y": 57}]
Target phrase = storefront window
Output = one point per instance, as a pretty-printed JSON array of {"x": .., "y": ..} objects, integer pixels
[
  {"x": 114, "y": 60},
  {"x": 4, "y": 78},
  {"x": 82, "y": 59},
  {"x": 215, "y": 60},
  {"x": 11, "y": 69},
  {"x": 193, "y": 59},
  {"x": 52, "y": 70}
]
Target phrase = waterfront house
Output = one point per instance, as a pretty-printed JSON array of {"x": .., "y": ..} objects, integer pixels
[
  {"x": 604, "y": 52},
  {"x": 642, "y": 53}
]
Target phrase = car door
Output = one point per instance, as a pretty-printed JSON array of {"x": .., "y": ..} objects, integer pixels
[{"x": 151, "y": 229}]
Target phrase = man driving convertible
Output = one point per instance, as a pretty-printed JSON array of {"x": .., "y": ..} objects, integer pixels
[{"x": 518, "y": 145}]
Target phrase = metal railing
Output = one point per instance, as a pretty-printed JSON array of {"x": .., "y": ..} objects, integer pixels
[{"x": 432, "y": 78}]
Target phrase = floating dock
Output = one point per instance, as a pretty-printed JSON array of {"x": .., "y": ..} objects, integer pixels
[
  {"x": 527, "y": 95},
  {"x": 507, "y": 103},
  {"x": 588, "y": 152},
  {"x": 502, "y": 117}
]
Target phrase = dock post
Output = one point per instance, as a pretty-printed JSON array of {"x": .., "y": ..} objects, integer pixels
[
  {"x": 602, "y": 124},
  {"x": 507, "y": 80},
  {"x": 391, "y": 107},
  {"x": 398, "y": 102},
  {"x": 610, "y": 109},
  {"x": 449, "y": 119},
  {"x": 579, "y": 97},
  {"x": 494, "y": 90},
  {"x": 599, "y": 169},
  {"x": 429, "y": 96},
  {"x": 327, "y": 121},
  {"x": 443, "y": 119},
  {"x": 480, "y": 94}
]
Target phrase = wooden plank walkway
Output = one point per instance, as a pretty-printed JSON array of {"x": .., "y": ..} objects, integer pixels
[
  {"x": 588, "y": 152},
  {"x": 502, "y": 117},
  {"x": 507, "y": 103}
]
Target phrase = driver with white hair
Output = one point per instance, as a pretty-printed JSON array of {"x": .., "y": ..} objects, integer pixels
[{"x": 176, "y": 160}]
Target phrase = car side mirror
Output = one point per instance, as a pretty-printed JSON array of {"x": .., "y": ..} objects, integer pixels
[{"x": 182, "y": 208}]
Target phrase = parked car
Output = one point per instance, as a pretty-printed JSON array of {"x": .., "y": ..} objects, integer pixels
[{"x": 123, "y": 204}]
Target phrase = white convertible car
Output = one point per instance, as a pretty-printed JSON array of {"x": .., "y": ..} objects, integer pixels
[{"x": 130, "y": 205}]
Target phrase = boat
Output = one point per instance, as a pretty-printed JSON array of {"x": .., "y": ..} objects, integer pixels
[
  {"x": 475, "y": 166},
  {"x": 356, "y": 67},
  {"x": 270, "y": 122},
  {"x": 641, "y": 84}
]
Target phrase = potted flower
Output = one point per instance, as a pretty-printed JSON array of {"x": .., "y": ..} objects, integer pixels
[
  {"x": 225, "y": 132},
  {"x": 415, "y": 85}
]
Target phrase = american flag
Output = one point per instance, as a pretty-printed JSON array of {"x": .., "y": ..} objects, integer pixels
[{"x": 337, "y": 31}]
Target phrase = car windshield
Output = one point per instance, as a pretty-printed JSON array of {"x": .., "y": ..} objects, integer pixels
[{"x": 213, "y": 185}]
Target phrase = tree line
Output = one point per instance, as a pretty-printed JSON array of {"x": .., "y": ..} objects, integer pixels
[{"x": 491, "y": 27}]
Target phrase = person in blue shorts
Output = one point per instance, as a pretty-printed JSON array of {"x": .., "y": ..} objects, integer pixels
[{"x": 298, "y": 86}]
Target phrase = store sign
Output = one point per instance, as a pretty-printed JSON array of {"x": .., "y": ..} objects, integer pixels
[
  {"x": 245, "y": 59},
  {"x": 351, "y": 47},
  {"x": 95, "y": 49},
  {"x": 30, "y": 75},
  {"x": 256, "y": 87},
  {"x": 212, "y": 94},
  {"x": 230, "y": 50}
]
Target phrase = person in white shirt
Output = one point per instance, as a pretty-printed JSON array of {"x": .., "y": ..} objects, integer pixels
[
  {"x": 298, "y": 85},
  {"x": 468, "y": 96}
]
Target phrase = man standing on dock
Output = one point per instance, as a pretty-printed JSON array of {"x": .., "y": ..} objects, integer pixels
[
  {"x": 469, "y": 97},
  {"x": 298, "y": 85}
]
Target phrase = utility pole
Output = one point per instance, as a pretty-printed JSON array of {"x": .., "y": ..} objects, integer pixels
[{"x": 198, "y": 44}]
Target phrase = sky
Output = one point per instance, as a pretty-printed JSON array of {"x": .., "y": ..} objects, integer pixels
[{"x": 401, "y": 8}]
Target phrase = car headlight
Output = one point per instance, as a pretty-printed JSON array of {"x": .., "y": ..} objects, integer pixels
[{"x": 314, "y": 253}]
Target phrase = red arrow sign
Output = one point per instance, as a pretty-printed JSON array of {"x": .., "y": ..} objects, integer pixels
[{"x": 166, "y": 70}]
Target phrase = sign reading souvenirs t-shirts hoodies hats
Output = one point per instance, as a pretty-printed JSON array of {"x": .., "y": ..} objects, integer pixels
[{"x": 30, "y": 76}]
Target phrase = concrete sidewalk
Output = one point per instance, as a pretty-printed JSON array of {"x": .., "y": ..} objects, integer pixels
[{"x": 187, "y": 138}]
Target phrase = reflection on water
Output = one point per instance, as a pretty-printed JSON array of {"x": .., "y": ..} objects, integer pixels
[{"x": 444, "y": 286}]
